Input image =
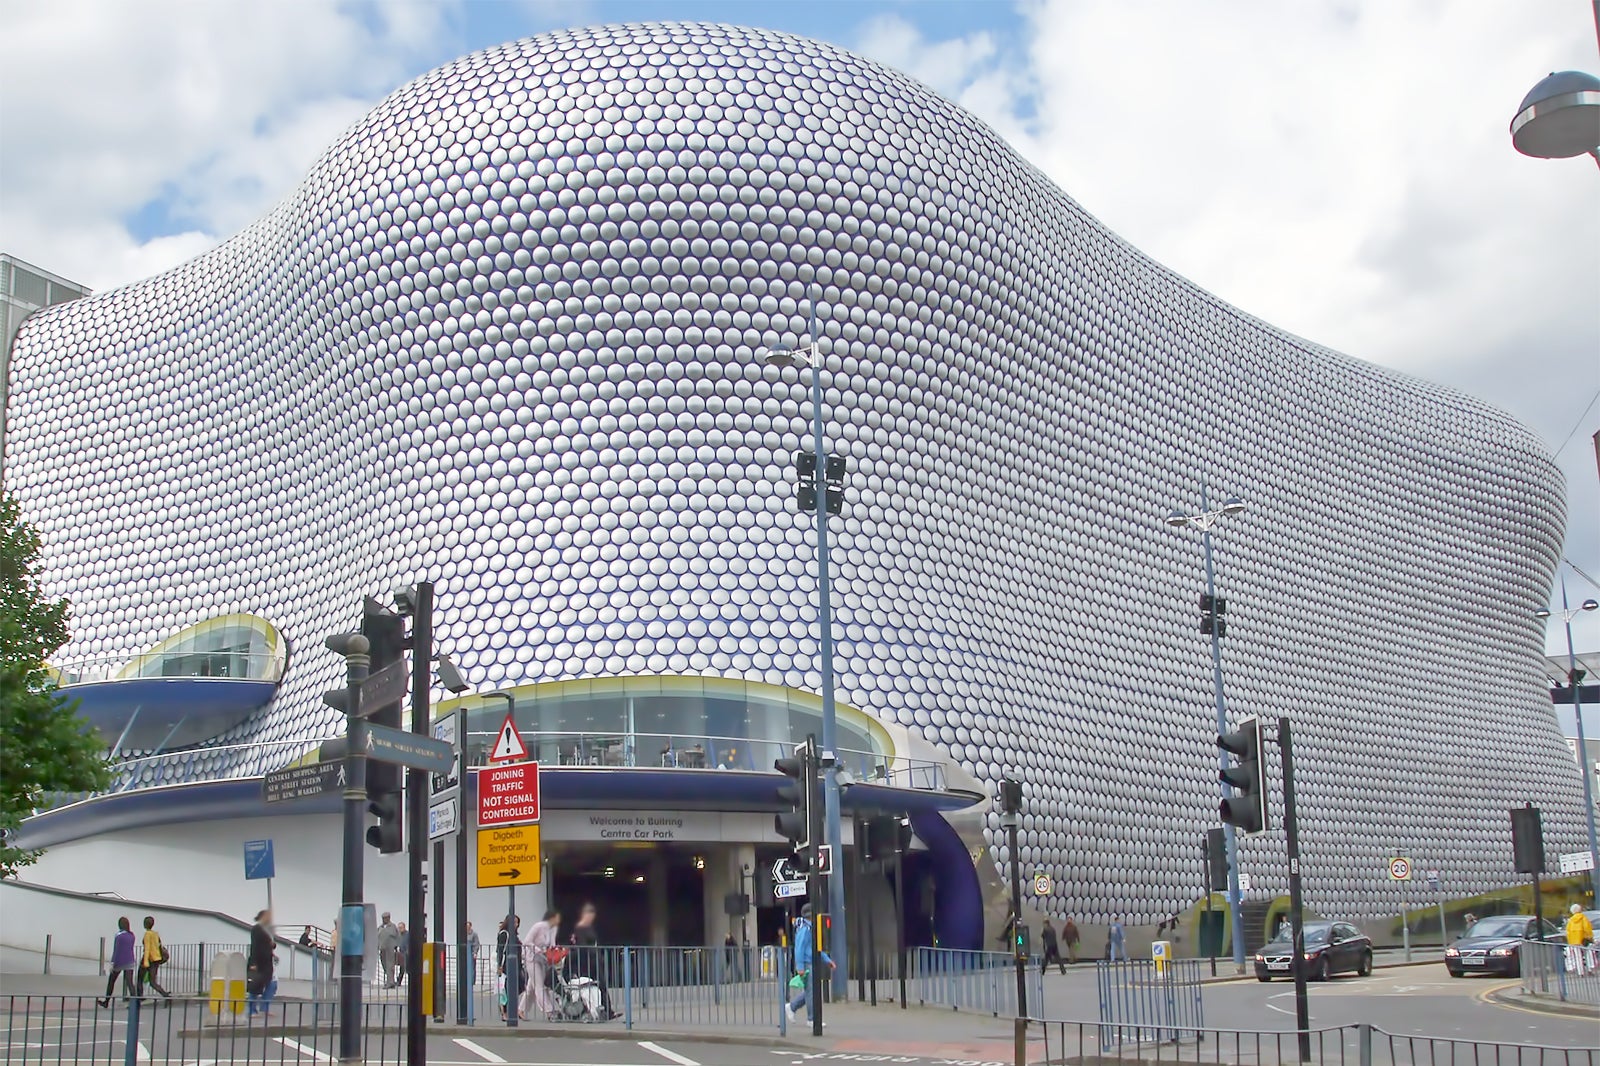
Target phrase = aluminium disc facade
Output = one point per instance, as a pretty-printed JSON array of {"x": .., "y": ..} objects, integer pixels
[{"x": 507, "y": 335}]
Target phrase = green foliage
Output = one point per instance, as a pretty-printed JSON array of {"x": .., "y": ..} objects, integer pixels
[{"x": 44, "y": 745}]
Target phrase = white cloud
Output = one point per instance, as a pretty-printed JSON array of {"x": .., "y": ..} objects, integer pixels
[
  {"x": 217, "y": 109},
  {"x": 1343, "y": 172}
]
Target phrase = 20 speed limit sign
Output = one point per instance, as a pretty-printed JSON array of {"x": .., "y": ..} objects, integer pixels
[{"x": 1399, "y": 869}]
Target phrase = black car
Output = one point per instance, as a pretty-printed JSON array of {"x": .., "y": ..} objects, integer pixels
[
  {"x": 1331, "y": 947},
  {"x": 1494, "y": 945}
]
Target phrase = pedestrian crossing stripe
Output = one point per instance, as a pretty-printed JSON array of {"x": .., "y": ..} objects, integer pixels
[{"x": 508, "y": 746}]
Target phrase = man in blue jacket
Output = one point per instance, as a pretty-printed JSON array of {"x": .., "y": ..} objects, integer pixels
[{"x": 804, "y": 954}]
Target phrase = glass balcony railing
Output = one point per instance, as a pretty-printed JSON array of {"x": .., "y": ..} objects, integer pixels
[{"x": 222, "y": 665}]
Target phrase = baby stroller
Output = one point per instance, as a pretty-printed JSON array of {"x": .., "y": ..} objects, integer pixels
[{"x": 574, "y": 999}]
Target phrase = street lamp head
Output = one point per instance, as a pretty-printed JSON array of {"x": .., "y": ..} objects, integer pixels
[
  {"x": 1233, "y": 505},
  {"x": 1543, "y": 612},
  {"x": 1590, "y": 605},
  {"x": 781, "y": 357},
  {"x": 501, "y": 694},
  {"x": 405, "y": 599},
  {"x": 1177, "y": 518},
  {"x": 1560, "y": 117}
]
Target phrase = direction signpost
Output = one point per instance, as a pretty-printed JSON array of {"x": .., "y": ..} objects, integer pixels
[
  {"x": 409, "y": 749},
  {"x": 444, "y": 818},
  {"x": 303, "y": 782},
  {"x": 1576, "y": 862},
  {"x": 384, "y": 687}
]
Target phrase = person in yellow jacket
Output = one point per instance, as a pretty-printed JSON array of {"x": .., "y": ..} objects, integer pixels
[
  {"x": 153, "y": 954},
  {"x": 1580, "y": 931}
]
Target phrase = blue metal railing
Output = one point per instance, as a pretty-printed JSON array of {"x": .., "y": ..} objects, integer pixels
[
  {"x": 973, "y": 980},
  {"x": 1143, "y": 1003}
]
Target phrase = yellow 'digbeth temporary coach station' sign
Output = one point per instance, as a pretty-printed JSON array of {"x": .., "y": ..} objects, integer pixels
[
  {"x": 508, "y": 855},
  {"x": 508, "y": 815}
]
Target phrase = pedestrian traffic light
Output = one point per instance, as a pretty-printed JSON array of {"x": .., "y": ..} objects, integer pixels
[
  {"x": 1216, "y": 849},
  {"x": 1527, "y": 839},
  {"x": 386, "y": 632},
  {"x": 1246, "y": 810},
  {"x": 1212, "y": 610},
  {"x": 798, "y": 792}
]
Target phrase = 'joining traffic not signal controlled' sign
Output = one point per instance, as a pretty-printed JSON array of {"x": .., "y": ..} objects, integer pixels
[{"x": 508, "y": 815}]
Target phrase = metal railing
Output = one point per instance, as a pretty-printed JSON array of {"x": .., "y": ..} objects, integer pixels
[
  {"x": 983, "y": 981},
  {"x": 648, "y": 987},
  {"x": 218, "y": 665},
  {"x": 62, "y": 1030},
  {"x": 1348, "y": 1045},
  {"x": 1564, "y": 973},
  {"x": 1146, "y": 1003}
]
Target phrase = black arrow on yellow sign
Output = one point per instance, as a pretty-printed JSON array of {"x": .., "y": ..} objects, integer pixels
[{"x": 513, "y": 872}]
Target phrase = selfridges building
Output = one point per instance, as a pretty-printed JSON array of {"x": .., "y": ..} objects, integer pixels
[{"x": 508, "y": 335}]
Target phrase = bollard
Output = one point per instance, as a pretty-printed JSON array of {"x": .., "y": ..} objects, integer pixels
[
  {"x": 47, "y": 954},
  {"x": 130, "y": 1047},
  {"x": 1364, "y": 1042}
]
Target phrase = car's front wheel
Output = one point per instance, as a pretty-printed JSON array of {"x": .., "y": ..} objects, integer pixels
[
  {"x": 1263, "y": 977},
  {"x": 1365, "y": 967},
  {"x": 1323, "y": 970}
]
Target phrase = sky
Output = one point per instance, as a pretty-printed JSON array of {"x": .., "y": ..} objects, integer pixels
[{"x": 1340, "y": 169}]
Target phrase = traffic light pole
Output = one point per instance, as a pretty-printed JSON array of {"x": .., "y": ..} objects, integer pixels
[
  {"x": 417, "y": 789},
  {"x": 814, "y": 995},
  {"x": 1235, "y": 917},
  {"x": 1205, "y": 854},
  {"x": 352, "y": 912},
  {"x": 1291, "y": 830},
  {"x": 1020, "y": 961}
]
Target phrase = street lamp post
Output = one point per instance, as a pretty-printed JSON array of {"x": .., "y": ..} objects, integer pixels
[
  {"x": 1574, "y": 680},
  {"x": 810, "y": 355},
  {"x": 1205, "y": 521}
]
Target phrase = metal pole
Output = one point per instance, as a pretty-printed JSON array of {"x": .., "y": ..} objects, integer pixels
[
  {"x": 1291, "y": 830},
  {"x": 417, "y": 788},
  {"x": 1405, "y": 915},
  {"x": 1585, "y": 764},
  {"x": 1444, "y": 934},
  {"x": 1236, "y": 918},
  {"x": 1017, "y": 955},
  {"x": 1205, "y": 853},
  {"x": 466, "y": 966},
  {"x": 834, "y": 835},
  {"x": 438, "y": 932},
  {"x": 513, "y": 958},
  {"x": 900, "y": 908},
  {"x": 861, "y": 948},
  {"x": 814, "y": 891},
  {"x": 352, "y": 915}
]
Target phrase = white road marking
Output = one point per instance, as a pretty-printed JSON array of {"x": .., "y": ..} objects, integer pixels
[
  {"x": 670, "y": 1056},
  {"x": 482, "y": 1052},
  {"x": 296, "y": 1046},
  {"x": 140, "y": 1052}
]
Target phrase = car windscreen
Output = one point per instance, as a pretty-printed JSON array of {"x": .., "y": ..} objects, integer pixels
[{"x": 1510, "y": 925}]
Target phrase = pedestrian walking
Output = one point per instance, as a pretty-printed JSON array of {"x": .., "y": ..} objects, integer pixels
[
  {"x": 586, "y": 958},
  {"x": 535, "y": 957},
  {"x": 1580, "y": 934},
  {"x": 804, "y": 980},
  {"x": 152, "y": 956},
  {"x": 474, "y": 950},
  {"x": 388, "y": 950},
  {"x": 124, "y": 961},
  {"x": 1049, "y": 949},
  {"x": 1070, "y": 937},
  {"x": 259, "y": 981},
  {"x": 1117, "y": 941},
  {"x": 402, "y": 954}
]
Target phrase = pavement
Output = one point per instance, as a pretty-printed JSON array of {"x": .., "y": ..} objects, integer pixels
[{"x": 1410, "y": 1002}]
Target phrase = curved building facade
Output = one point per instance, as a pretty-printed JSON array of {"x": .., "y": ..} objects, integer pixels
[{"x": 507, "y": 335}]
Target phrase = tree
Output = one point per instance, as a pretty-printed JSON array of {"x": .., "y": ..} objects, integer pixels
[{"x": 44, "y": 745}]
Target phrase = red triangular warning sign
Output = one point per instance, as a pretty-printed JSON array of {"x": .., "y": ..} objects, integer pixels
[{"x": 508, "y": 746}]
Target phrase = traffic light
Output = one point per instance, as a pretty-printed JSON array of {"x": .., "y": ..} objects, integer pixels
[
  {"x": 386, "y": 632},
  {"x": 1246, "y": 810},
  {"x": 1212, "y": 610},
  {"x": 798, "y": 792},
  {"x": 1216, "y": 848},
  {"x": 1527, "y": 839},
  {"x": 805, "y": 465},
  {"x": 1011, "y": 796}
]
